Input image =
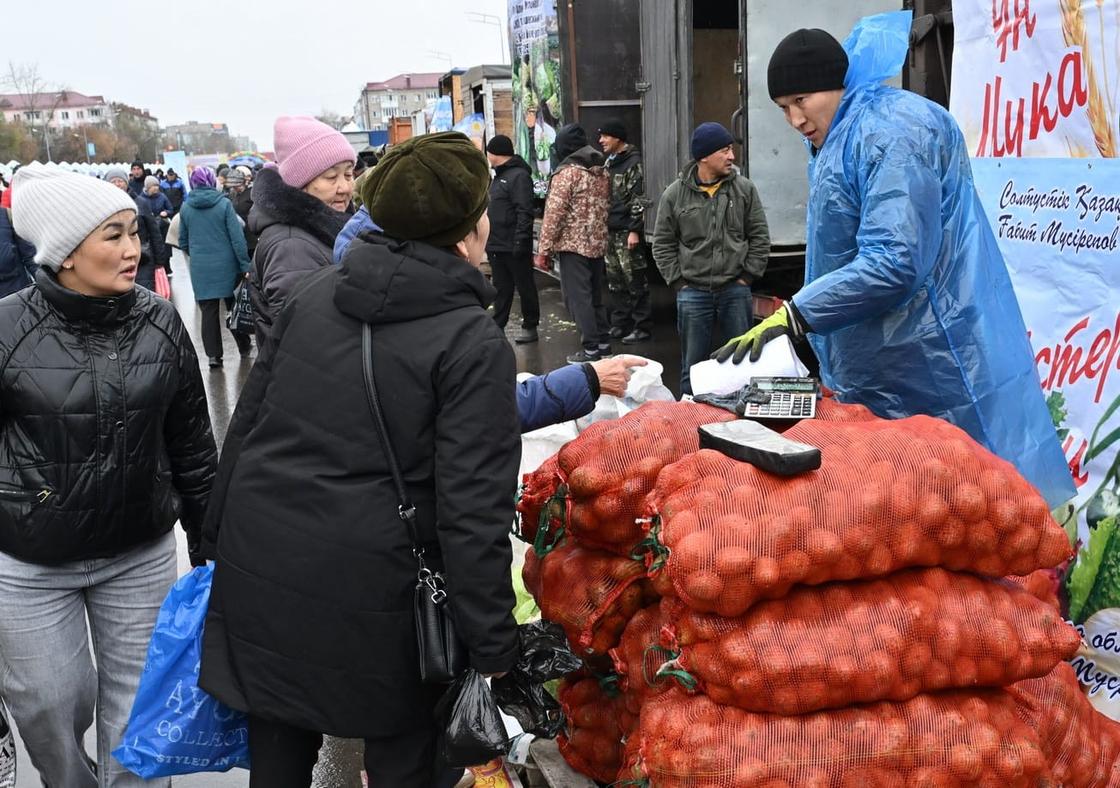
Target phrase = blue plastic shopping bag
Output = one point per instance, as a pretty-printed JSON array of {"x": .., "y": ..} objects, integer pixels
[{"x": 176, "y": 728}]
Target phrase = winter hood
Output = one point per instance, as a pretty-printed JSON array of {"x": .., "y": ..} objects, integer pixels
[
  {"x": 388, "y": 281},
  {"x": 275, "y": 202},
  {"x": 204, "y": 198},
  {"x": 587, "y": 157}
]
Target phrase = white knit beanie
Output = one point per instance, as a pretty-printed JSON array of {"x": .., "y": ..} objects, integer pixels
[{"x": 56, "y": 209}]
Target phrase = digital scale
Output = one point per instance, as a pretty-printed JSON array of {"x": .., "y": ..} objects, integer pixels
[{"x": 781, "y": 398}]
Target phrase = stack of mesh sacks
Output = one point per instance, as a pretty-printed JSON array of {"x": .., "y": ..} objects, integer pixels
[
  {"x": 886, "y": 620},
  {"x": 580, "y": 510},
  {"x": 883, "y": 621}
]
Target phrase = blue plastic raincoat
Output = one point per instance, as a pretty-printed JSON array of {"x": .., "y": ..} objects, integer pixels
[{"x": 906, "y": 292}]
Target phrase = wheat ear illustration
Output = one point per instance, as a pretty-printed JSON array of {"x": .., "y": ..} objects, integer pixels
[{"x": 1073, "y": 29}]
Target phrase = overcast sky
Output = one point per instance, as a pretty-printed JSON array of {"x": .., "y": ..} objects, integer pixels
[{"x": 242, "y": 62}]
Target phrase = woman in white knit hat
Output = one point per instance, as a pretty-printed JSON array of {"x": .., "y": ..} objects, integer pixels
[{"x": 105, "y": 441}]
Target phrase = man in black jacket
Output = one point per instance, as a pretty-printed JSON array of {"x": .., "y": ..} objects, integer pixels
[
  {"x": 510, "y": 248},
  {"x": 626, "y": 260},
  {"x": 136, "y": 176}
]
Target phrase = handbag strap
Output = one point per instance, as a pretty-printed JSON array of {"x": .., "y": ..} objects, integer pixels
[{"x": 405, "y": 510}]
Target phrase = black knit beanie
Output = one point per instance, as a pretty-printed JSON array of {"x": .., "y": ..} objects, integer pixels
[
  {"x": 614, "y": 128},
  {"x": 807, "y": 61}
]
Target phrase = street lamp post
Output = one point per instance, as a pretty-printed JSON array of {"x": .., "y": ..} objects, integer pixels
[{"x": 490, "y": 19}]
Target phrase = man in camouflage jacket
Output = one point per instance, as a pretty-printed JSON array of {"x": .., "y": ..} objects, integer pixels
[
  {"x": 574, "y": 231},
  {"x": 630, "y": 314}
]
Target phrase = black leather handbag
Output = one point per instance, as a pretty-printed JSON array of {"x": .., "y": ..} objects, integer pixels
[{"x": 443, "y": 658}]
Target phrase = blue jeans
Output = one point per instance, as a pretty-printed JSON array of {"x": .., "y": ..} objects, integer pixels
[
  {"x": 707, "y": 320},
  {"x": 52, "y": 684}
]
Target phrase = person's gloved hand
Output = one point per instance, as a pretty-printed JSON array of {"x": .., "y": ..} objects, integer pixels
[
  {"x": 784, "y": 322},
  {"x": 194, "y": 547}
]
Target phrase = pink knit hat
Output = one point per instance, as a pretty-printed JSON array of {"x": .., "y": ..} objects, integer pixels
[{"x": 307, "y": 148}]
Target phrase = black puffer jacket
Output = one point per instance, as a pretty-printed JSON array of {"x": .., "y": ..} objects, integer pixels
[
  {"x": 310, "y": 618},
  {"x": 295, "y": 237},
  {"x": 104, "y": 433},
  {"x": 511, "y": 208}
]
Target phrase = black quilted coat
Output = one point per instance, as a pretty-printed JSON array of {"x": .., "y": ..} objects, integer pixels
[
  {"x": 104, "y": 433},
  {"x": 310, "y": 620}
]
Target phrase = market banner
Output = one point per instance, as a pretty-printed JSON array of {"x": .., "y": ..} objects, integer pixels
[
  {"x": 1058, "y": 224},
  {"x": 1037, "y": 77},
  {"x": 537, "y": 109}
]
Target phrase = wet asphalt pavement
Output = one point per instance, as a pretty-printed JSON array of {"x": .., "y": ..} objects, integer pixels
[{"x": 340, "y": 761}]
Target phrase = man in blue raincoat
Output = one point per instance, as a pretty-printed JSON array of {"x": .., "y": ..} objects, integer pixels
[{"x": 907, "y": 301}]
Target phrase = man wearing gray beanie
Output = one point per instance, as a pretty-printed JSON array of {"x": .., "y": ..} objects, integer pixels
[
  {"x": 907, "y": 299},
  {"x": 711, "y": 242}
]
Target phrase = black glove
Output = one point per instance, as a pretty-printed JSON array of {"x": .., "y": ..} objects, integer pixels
[{"x": 194, "y": 549}]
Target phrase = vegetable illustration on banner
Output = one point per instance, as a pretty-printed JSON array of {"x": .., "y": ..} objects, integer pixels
[
  {"x": 1058, "y": 225},
  {"x": 537, "y": 108}
]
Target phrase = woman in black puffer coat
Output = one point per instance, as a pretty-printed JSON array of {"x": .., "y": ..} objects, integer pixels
[
  {"x": 310, "y": 628},
  {"x": 105, "y": 442}
]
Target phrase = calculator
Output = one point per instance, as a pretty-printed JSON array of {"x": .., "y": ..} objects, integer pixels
[{"x": 782, "y": 398}]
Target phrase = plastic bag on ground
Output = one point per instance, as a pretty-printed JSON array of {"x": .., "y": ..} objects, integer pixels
[
  {"x": 176, "y": 728},
  {"x": 592, "y": 595},
  {"x": 832, "y": 646},
  {"x": 598, "y": 722},
  {"x": 7, "y": 752},
  {"x": 1081, "y": 744},
  {"x": 544, "y": 656},
  {"x": 950, "y": 739},
  {"x": 470, "y": 725},
  {"x": 889, "y": 495},
  {"x": 607, "y": 472}
]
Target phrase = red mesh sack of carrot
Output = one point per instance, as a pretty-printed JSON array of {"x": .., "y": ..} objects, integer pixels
[
  {"x": 889, "y": 495},
  {"x": 608, "y": 472},
  {"x": 598, "y": 723},
  {"x": 831, "y": 646},
  {"x": 639, "y": 655},
  {"x": 1080, "y": 744},
  {"x": 592, "y": 595},
  {"x": 1043, "y": 584},
  {"x": 531, "y": 575},
  {"x": 540, "y": 510},
  {"x": 932, "y": 741},
  {"x": 832, "y": 409}
]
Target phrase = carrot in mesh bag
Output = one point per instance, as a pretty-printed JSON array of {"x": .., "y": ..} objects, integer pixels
[
  {"x": 932, "y": 741},
  {"x": 1081, "y": 745},
  {"x": 592, "y": 595},
  {"x": 540, "y": 510},
  {"x": 831, "y": 646},
  {"x": 531, "y": 575},
  {"x": 639, "y": 655},
  {"x": 1043, "y": 584},
  {"x": 598, "y": 724},
  {"x": 889, "y": 495},
  {"x": 832, "y": 409},
  {"x": 609, "y": 472}
]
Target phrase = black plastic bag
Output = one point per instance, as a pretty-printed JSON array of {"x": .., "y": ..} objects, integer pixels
[
  {"x": 471, "y": 727},
  {"x": 544, "y": 656}
]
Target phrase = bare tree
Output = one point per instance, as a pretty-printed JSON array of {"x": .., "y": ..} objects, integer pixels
[
  {"x": 333, "y": 119},
  {"x": 40, "y": 99}
]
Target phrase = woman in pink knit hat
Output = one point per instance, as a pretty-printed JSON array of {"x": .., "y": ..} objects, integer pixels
[{"x": 298, "y": 209}]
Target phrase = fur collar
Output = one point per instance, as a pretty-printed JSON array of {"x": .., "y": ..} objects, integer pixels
[{"x": 275, "y": 202}]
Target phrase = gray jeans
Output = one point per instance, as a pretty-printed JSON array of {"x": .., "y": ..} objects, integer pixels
[{"x": 47, "y": 675}]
